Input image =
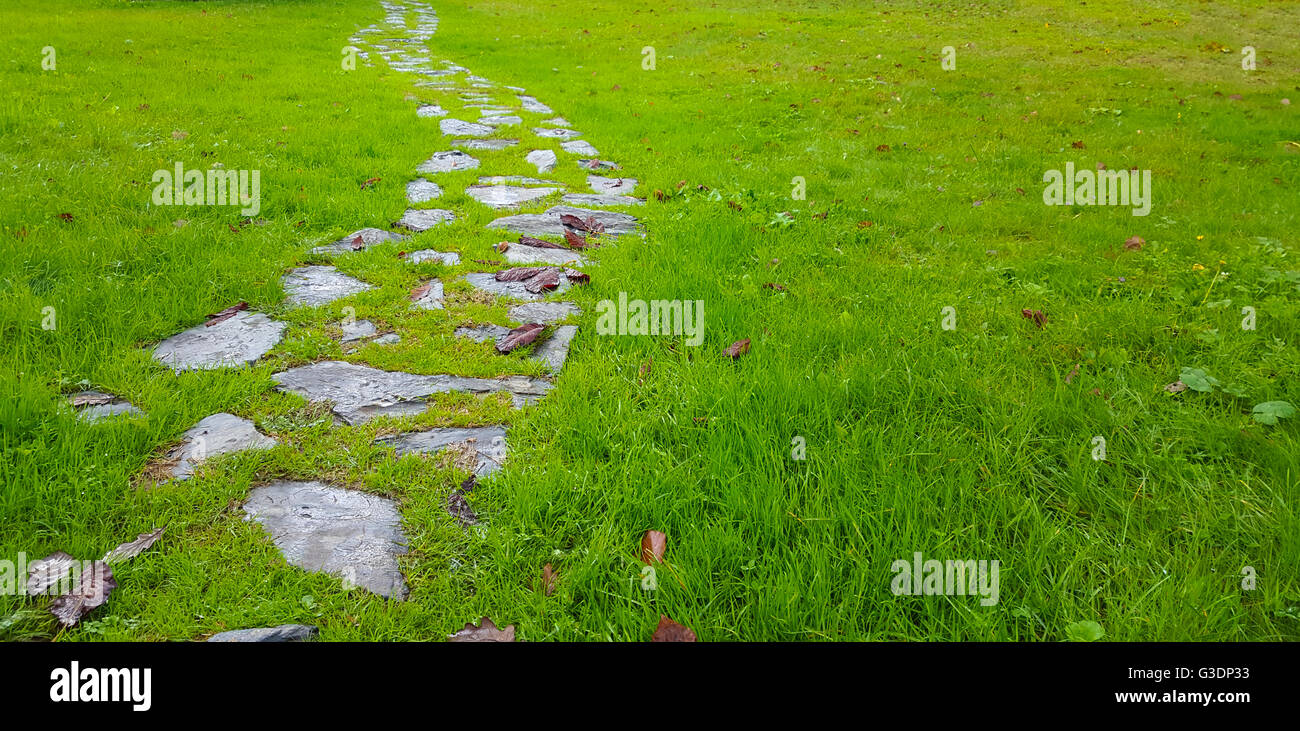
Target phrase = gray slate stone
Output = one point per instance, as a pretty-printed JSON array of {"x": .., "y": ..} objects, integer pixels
[
  {"x": 461, "y": 127},
  {"x": 611, "y": 186},
  {"x": 357, "y": 330},
  {"x": 487, "y": 282},
  {"x": 599, "y": 165},
  {"x": 489, "y": 443},
  {"x": 361, "y": 393},
  {"x": 500, "y": 121},
  {"x": 543, "y": 312},
  {"x": 389, "y": 339},
  {"x": 558, "y": 133},
  {"x": 522, "y": 254},
  {"x": 423, "y": 219},
  {"x": 93, "y": 413},
  {"x": 431, "y": 299},
  {"x": 579, "y": 147},
  {"x": 556, "y": 122},
  {"x": 450, "y": 258},
  {"x": 530, "y": 104},
  {"x": 548, "y": 223},
  {"x": 369, "y": 237},
  {"x": 238, "y": 341},
  {"x": 430, "y": 110},
  {"x": 448, "y": 161},
  {"x": 314, "y": 286},
  {"x": 421, "y": 191},
  {"x": 483, "y": 333},
  {"x": 484, "y": 144},
  {"x": 350, "y": 534},
  {"x": 283, "y": 633},
  {"x": 544, "y": 160},
  {"x": 555, "y": 350},
  {"x": 598, "y": 199},
  {"x": 215, "y": 435},
  {"x": 516, "y": 180},
  {"x": 507, "y": 196}
]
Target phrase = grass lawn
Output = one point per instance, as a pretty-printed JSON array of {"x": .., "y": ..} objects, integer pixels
[{"x": 822, "y": 147}]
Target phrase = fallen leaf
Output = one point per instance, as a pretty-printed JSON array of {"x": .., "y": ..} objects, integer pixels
[
  {"x": 1176, "y": 387},
  {"x": 520, "y": 336},
  {"x": 670, "y": 631},
  {"x": 879, "y": 148},
  {"x": 1036, "y": 315},
  {"x": 774, "y": 285},
  {"x": 1069, "y": 377},
  {"x": 548, "y": 580},
  {"x": 573, "y": 221},
  {"x": 659, "y": 195},
  {"x": 48, "y": 571},
  {"x": 575, "y": 241},
  {"x": 1077, "y": 144},
  {"x": 576, "y": 276},
  {"x": 864, "y": 224},
  {"x": 517, "y": 274},
  {"x": 66, "y": 216},
  {"x": 503, "y": 247},
  {"x": 358, "y": 243},
  {"x": 90, "y": 398},
  {"x": 486, "y": 631},
  {"x": 419, "y": 292},
  {"x": 225, "y": 314},
  {"x": 92, "y": 590},
  {"x": 1134, "y": 243},
  {"x": 469, "y": 484},
  {"x": 653, "y": 545},
  {"x": 458, "y": 507},
  {"x": 539, "y": 243},
  {"x": 134, "y": 548},
  {"x": 369, "y": 182},
  {"x": 737, "y": 349}
]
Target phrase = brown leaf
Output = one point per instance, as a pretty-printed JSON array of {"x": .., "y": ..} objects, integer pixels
[
  {"x": 539, "y": 243},
  {"x": 66, "y": 216},
  {"x": 659, "y": 195},
  {"x": 548, "y": 278},
  {"x": 134, "y": 548},
  {"x": 653, "y": 545},
  {"x": 1077, "y": 144},
  {"x": 369, "y": 182},
  {"x": 737, "y": 349},
  {"x": 503, "y": 247},
  {"x": 486, "y": 631},
  {"x": 775, "y": 286},
  {"x": 520, "y": 336},
  {"x": 401, "y": 255},
  {"x": 92, "y": 590},
  {"x": 1176, "y": 387},
  {"x": 645, "y": 368},
  {"x": 46, "y": 572},
  {"x": 358, "y": 243},
  {"x": 864, "y": 224},
  {"x": 1134, "y": 243},
  {"x": 574, "y": 240},
  {"x": 576, "y": 276},
  {"x": 459, "y": 508},
  {"x": 517, "y": 274},
  {"x": 90, "y": 398},
  {"x": 670, "y": 631},
  {"x": 419, "y": 292},
  {"x": 1069, "y": 377},
  {"x": 469, "y": 484},
  {"x": 225, "y": 314},
  {"x": 1036, "y": 315},
  {"x": 548, "y": 580},
  {"x": 882, "y": 148},
  {"x": 573, "y": 221}
]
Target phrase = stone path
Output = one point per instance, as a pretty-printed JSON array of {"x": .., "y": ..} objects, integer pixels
[{"x": 355, "y": 535}]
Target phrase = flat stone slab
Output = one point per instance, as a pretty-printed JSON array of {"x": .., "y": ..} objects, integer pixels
[
  {"x": 523, "y": 254},
  {"x": 555, "y": 350},
  {"x": 611, "y": 186},
  {"x": 507, "y": 196},
  {"x": 484, "y": 144},
  {"x": 530, "y": 104},
  {"x": 543, "y": 312},
  {"x": 487, "y": 282},
  {"x": 483, "y": 333},
  {"x": 432, "y": 297},
  {"x": 579, "y": 147},
  {"x": 314, "y": 286},
  {"x": 548, "y": 223},
  {"x": 91, "y": 406},
  {"x": 237, "y": 341},
  {"x": 448, "y": 161},
  {"x": 215, "y": 435},
  {"x": 449, "y": 258},
  {"x": 421, "y": 191},
  {"x": 423, "y": 219},
  {"x": 389, "y": 339},
  {"x": 461, "y": 127},
  {"x": 599, "y": 165},
  {"x": 558, "y": 133},
  {"x": 430, "y": 110},
  {"x": 360, "y": 393},
  {"x": 556, "y": 122},
  {"x": 489, "y": 110},
  {"x": 500, "y": 121},
  {"x": 369, "y": 237},
  {"x": 600, "y": 199},
  {"x": 283, "y": 633},
  {"x": 488, "y": 443},
  {"x": 350, "y": 534},
  {"x": 358, "y": 330},
  {"x": 516, "y": 180},
  {"x": 544, "y": 160}
]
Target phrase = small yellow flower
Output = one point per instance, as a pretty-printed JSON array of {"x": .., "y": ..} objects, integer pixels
[
  {"x": 1198, "y": 238},
  {"x": 1197, "y": 268},
  {"x": 1222, "y": 263}
]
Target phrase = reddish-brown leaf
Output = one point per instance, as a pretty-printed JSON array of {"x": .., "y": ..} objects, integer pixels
[
  {"x": 737, "y": 349},
  {"x": 225, "y": 314},
  {"x": 574, "y": 240},
  {"x": 503, "y": 247},
  {"x": 774, "y": 285},
  {"x": 576, "y": 276},
  {"x": 419, "y": 292},
  {"x": 1036, "y": 315},
  {"x": 520, "y": 336},
  {"x": 518, "y": 274},
  {"x": 369, "y": 182},
  {"x": 670, "y": 631},
  {"x": 1134, "y": 243},
  {"x": 659, "y": 195},
  {"x": 92, "y": 590},
  {"x": 573, "y": 221},
  {"x": 549, "y": 575},
  {"x": 458, "y": 507},
  {"x": 539, "y": 243},
  {"x": 358, "y": 243},
  {"x": 548, "y": 278},
  {"x": 1077, "y": 144},
  {"x": 653, "y": 545},
  {"x": 1069, "y": 377},
  {"x": 485, "y": 631},
  {"x": 66, "y": 216}
]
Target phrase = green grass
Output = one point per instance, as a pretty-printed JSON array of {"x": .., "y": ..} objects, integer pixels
[{"x": 962, "y": 444}]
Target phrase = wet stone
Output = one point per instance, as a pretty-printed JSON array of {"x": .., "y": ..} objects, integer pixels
[
  {"x": 369, "y": 237},
  {"x": 555, "y": 350},
  {"x": 283, "y": 633},
  {"x": 431, "y": 299},
  {"x": 507, "y": 196},
  {"x": 611, "y": 186},
  {"x": 487, "y": 282},
  {"x": 237, "y": 341},
  {"x": 91, "y": 406},
  {"x": 430, "y": 110},
  {"x": 543, "y": 312},
  {"x": 358, "y": 330},
  {"x": 449, "y": 258},
  {"x": 484, "y": 144},
  {"x": 423, "y": 219},
  {"x": 544, "y": 160},
  {"x": 587, "y": 199},
  {"x": 501, "y": 121},
  {"x": 314, "y": 286},
  {"x": 461, "y": 127},
  {"x": 349, "y": 534},
  {"x": 446, "y": 162},
  {"x": 556, "y": 133},
  {"x": 215, "y": 435},
  {"x": 421, "y": 191},
  {"x": 483, "y": 333},
  {"x": 488, "y": 443},
  {"x": 530, "y": 104},
  {"x": 579, "y": 147},
  {"x": 548, "y": 223},
  {"x": 523, "y": 254},
  {"x": 360, "y": 393}
]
